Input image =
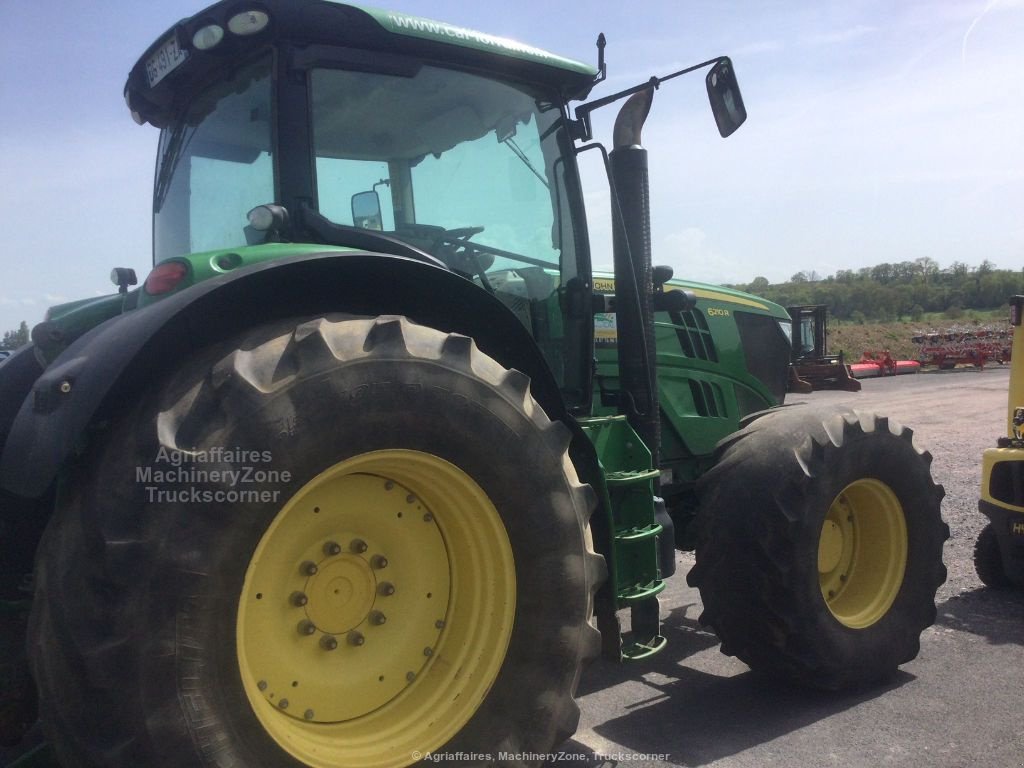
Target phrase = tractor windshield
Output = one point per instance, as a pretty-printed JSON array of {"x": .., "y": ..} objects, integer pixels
[
  {"x": 462, "y": 166},
  {"x": 473, "y": 171}
]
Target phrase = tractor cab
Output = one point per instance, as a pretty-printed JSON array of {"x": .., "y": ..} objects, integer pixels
[{"x": 322, "y": 123}]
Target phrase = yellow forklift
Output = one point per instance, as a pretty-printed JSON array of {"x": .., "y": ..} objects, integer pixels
[{"x": 999, "y": 551}]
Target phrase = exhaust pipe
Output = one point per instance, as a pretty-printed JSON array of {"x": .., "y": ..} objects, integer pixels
[{"x": 634, "y": 287}]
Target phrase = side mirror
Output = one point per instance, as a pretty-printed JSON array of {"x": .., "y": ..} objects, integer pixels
[
  {"x": 661, "y": 274},
  {"x": 123, "y": 277},
  {"x": 674, "y": 301},
  {"x": 366, "y": 211},
  {"x": 725, "y": 98}
]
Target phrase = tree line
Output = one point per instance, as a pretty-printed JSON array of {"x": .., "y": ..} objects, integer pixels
[
  {"x": 15, "y": 339},
  {"x": 903, "y": 291}
]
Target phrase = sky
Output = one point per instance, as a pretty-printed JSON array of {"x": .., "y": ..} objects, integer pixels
[{"x": 878, "y": 131}]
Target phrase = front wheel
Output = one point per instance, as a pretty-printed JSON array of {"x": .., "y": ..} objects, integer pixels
[
  {"x": 347, "y": 542},
  {"x": 988, "y": 559},
  {"x": 820, "y": 546}
]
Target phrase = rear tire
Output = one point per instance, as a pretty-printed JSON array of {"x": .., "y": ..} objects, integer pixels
[
  {"x": 165, "y": 630},
  {"x": 988, "y": 560},
  {"x": 820, "y": 546}
]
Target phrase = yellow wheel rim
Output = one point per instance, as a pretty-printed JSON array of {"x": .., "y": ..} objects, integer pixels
[
  {"x": 862, "y": 553},
  {"x": 376, "y": 611}
]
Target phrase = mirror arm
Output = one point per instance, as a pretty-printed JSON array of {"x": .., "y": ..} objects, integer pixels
[{"x": 581, "y": 126}]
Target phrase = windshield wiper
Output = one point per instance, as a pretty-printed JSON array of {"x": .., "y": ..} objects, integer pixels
[
  {"x": 518, "y": 152},
  {"x": 177, "y": 144}
]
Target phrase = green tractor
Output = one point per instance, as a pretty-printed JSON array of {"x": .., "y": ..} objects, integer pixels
[{"x": 372, "y": 463}]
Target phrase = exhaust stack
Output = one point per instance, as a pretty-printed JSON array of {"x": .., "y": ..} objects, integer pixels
[{"x": 634, "y": 288}]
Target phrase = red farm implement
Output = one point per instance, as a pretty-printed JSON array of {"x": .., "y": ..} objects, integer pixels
[{"x": 964, "y": 346}]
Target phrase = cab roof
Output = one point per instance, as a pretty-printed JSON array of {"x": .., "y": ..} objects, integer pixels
[{"x": 308, "y": 23}]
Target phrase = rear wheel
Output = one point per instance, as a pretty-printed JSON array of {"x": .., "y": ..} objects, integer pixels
[
  {"x": 410, "y": 572},
  {"x": 820, "y": 546}
]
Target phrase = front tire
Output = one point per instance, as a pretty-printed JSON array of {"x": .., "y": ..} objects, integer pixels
[
  {"x": 416, "y": 577},
  {"x": 988, "y": 560},
  {"x": 820, "y": 546}
]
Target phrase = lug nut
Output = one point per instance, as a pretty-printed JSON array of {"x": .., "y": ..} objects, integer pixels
[
  {"x": 410, "y": 676},
  {"x": 332, "y": 548},
  {"x": 299, "y": 599},
  {"x": 379, "y": 561},
  {"x": 283, "y": 703},
  {"x": 386, "y": 588},
  {"x": 308, "y": 568},
  {"x": 377, "y": 618},
  {"x": 355, "y": 638},
  {"x": 439, "y": 623},
  {"x": 358, "y": 546},
  {"x": 262, "y": 685},
  {"x": 428, "y": 518},
  {"x": 428, "y": 651},
  {"x": 328, "y": 642},
  {"x": 308, "y": 714},
  {"x": 306, "y": 627}
]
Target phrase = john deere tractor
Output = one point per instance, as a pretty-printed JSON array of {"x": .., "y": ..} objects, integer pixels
[
  {"x": 371, "y": 463},
  {"x": 999, "y": 551}
]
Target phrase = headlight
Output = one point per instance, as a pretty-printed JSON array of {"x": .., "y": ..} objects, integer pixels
[{"x": 248, "y": 22}]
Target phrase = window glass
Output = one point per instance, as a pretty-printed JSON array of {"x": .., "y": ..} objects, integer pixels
[{"x": 215, "y": 166}]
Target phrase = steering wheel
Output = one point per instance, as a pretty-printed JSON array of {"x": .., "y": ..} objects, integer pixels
[
  {"x": 464, "y": 257},
  {"x": 460, "y": 233}
]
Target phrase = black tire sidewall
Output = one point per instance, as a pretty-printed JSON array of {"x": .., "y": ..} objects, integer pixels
[
  {"x": 892, "y": 461},
  {"x": 988, "y": 559},
  {"x": 762, "y": 508}
]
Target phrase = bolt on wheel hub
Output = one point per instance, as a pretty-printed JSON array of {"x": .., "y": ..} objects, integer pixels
[
  {"x": 341, "y": 594},
  {"x": 327, "y": 627}
]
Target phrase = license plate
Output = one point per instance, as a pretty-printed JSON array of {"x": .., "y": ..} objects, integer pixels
[{"x": 167, "y": 58}]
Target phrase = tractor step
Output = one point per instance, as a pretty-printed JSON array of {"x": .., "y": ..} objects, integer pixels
[
  {"x": 644, "y": 638},
  {"x": 631, "y": 535},
  {"x": 628, "y": 478},
  {"x": 640, "y": 592},
  {"x": 640, "y": 650},
  {"x": 634, "y": 565}
]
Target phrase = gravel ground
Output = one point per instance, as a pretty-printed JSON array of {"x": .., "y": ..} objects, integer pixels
[
  {"x": 957, "y": 704},
  {"x": 955, "y": 416}
]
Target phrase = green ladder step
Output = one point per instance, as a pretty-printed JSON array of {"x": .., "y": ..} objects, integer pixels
[
  {"x": 639, "y": 534},
  {"x": 638, "y": 650},
  {"x": 641, "y": 592},
  {"x": 627, "y": 477}
]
